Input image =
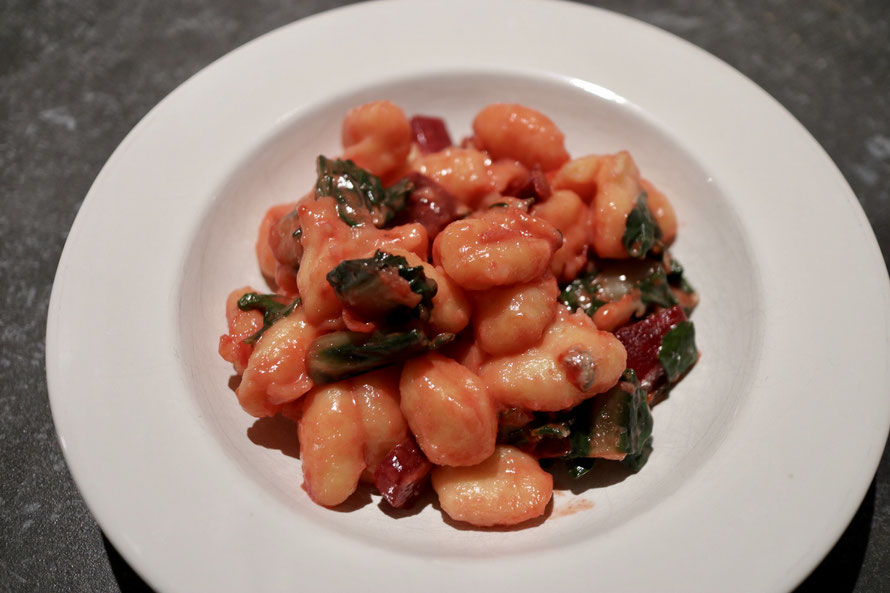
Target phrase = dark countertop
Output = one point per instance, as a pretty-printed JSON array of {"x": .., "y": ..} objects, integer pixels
[{"x": 77, "y": 75}]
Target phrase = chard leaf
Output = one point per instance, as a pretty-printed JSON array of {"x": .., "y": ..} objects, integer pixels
[
  {"x": 581, "y": 422},
  {"x": 655, "y": 290},
  {"x": 580, "y": 294},
  {"x": 641, "y": 232},
  {"x": 374, "y": 287},
  {"x": 272, "y": 310},
  {"x": 622, "y": 420},
  {"x": 676, "y": 277},
  {"x": 360, "y": 195},
  {"x": 579, "y": 466},
  {"x": 636, "y": 462},
  {"x": 678, "y": 351},
  {"x": 343, "y": 354}
]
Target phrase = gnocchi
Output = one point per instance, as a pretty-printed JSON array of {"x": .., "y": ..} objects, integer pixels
[{"x": 456, "y": 314}]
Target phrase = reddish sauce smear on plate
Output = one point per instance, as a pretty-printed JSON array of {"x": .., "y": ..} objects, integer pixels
[{"x": 469, "y": 318}]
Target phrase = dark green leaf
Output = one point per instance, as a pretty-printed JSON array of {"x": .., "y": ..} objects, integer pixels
[
  {"x": 272, "y": 310},
  {"x": 580, "y": 294},
  {"x": 343, "y": 354},
  {"x": 360, "y": 195},
  {"x": 676, "y": 278},
  {"x": 371, "y": 287},
  {"x": 675, "y": 270},
  {"x": 678, "y": 351},
  {"x": 620, "y": 419},
  {"x": 641, "y": 232},
  {"x": 580, "y": 420},
  {"x": 655, "y": 290},
  {"x": 636, "y": 462},
  {"x": 579, "y": 466}
]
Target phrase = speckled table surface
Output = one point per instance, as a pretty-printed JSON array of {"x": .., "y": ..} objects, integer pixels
[{"x": 77, "y": 75}]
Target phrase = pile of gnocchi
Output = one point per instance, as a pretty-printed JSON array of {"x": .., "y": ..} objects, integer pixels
[{"x": 469, "y": 316}]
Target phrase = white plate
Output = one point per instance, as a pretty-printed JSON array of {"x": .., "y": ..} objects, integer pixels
[{"x": 761, "y": 456}]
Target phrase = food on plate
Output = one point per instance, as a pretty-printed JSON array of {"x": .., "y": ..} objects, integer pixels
[{"x": 464, "y": 318}]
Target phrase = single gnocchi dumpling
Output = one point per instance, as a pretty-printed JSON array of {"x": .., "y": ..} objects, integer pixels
[
  {"x": 377, "y": 396},
  {"x": 573, "y": 361},
  {"x": 377, "y": 137},
  {"x": 332, "y": 444},
  {"x": 276, "y": 371},
  {"x": 464, "y": 172},
  {"x": 233, "y": 346},
  {"x": 448, "y": 409},
  {"x": 503, "y": 246},
  {"x": 511, "y": 131},
  {"x": 508, "y": 488},
  {"x": 512, "y": 318}
]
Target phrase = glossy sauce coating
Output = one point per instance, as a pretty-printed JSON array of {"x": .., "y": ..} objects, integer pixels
[
  {"x": 376, "y": 136},
  {"x": 511, "y": 131},
  {"x": 506, "y": 489},
  {"x": 513, "y": 318},
  {"x": 502, "y": 246},
  {"x": 331, "y": 444},
  {"x": 448, "y": 409},
  {"x": 543, "y": 379},
  {"x": 276, "y": 371}
]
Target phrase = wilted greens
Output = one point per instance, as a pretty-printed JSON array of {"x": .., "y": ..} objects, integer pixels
[
  {"x": 360, "y": 195},
  {"x": 272, "y": 310}
]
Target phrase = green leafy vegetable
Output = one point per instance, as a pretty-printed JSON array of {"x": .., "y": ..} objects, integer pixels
[
  {"x": 580, "y": 420},
  {"x": 678, "y": 351},
  {"x": 383, "y": 286},
  {"x": 272, "y": 310},
  {"x": 579, "y": 466},
  {"x": 360, "y": 195},
  {"x": 580, "y": 294},
  {"x": 636, "y": 462},
  {"x": 343, "y": 354},
  {"x": 622, "y": 420},
  {"x": 675, "y": 269},
  {"x": 656, "y": 290},
  {"x": 641, "y": 232},
  {"x": 675, "y": 275},
  {"x": 610, "y": 425}
]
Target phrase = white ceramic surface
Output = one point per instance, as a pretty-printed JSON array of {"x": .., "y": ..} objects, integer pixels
[{"x": 763, "y": 453}]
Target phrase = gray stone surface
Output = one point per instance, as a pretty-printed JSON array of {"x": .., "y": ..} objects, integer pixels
[{"x": 76, "y": 75}]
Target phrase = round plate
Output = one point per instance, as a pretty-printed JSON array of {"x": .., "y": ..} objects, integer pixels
[{"x": 762, "y": 454}]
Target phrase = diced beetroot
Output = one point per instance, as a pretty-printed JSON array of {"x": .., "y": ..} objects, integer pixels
[
  {"x": 402, "y": 474},
  {"x": 534, "y": 186},
  {"x": 430, "y": 204},
  {"x": 430, "y": 133},
  {"x": 642, "y": 341}
]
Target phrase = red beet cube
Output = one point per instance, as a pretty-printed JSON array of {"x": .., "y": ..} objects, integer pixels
[
  {"x": 642, "y": 341},
  {"x": 430, "y": 204},
  {"x": 430, "y": 133},
  {"x": 402, "y": 474}
]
